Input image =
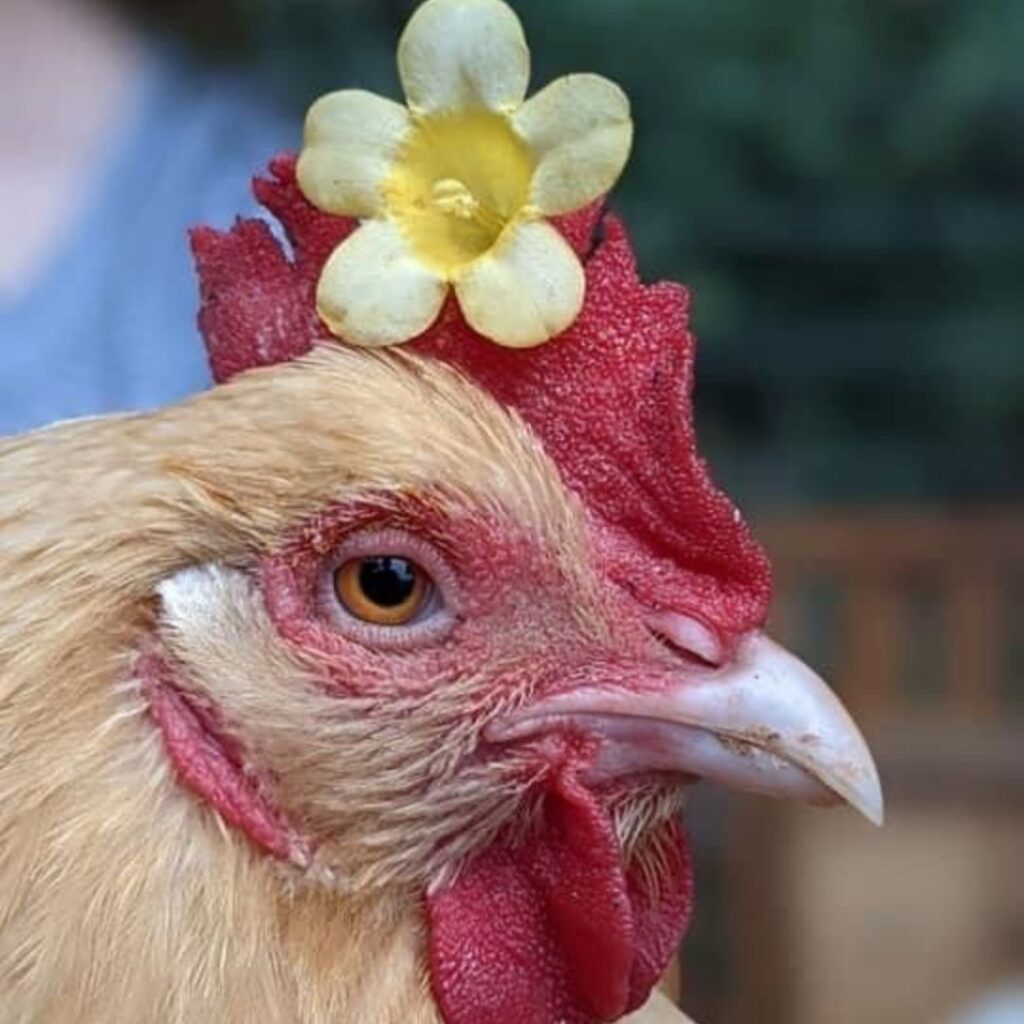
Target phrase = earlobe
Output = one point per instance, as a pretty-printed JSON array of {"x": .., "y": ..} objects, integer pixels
[{"x": 207, "y": 615}]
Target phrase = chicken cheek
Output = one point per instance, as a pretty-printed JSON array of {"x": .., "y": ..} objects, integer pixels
[{"x": 556, "y": 930}]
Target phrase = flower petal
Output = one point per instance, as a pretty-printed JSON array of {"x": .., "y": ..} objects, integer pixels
[
  {"x": 351, "y": 140},
  {"x": 373, "y": 291},
  {"x": 580, "y": 132},
  {"x": 529, "y": 288},
  {"x": 458, "y": 54}
]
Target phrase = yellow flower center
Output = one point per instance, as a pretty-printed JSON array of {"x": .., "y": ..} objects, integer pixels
[{"x": 460, "y": 179}]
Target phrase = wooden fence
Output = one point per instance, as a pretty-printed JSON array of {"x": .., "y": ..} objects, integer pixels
[
  {"x": 911, "y": 613},
  {"x": 917, "y": 619}
]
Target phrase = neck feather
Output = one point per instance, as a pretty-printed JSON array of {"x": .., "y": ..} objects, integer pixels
[{"x": 122, "y": 899}]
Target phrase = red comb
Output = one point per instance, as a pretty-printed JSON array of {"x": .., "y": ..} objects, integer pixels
[
  {"x": 257, "y": 306},
  {"x": 610, "y": 398}
]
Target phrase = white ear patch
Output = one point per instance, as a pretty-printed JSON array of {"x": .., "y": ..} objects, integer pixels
[
  {"x": 213, "y": 620},
  {"x": 207, "y": 594}
]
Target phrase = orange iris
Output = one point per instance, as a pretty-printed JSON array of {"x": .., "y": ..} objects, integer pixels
[{"x": 385, "y": 590}]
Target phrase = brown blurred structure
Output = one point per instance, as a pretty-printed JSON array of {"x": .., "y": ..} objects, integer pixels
[{"x": 916, "y": 618}]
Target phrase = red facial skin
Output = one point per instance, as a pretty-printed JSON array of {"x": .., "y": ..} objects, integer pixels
[
  {"x": 556, "y": 927},
  {"x": 610, "y": 399}
]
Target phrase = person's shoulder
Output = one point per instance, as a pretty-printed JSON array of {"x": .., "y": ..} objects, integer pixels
[
  {"x": 212, "y": 128},
  {"x": 198, "y": 136}
]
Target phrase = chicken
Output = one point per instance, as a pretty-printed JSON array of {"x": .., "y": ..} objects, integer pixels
[{"x": 367, "y": 687}]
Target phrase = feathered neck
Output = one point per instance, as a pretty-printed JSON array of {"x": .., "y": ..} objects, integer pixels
[{"x": 121, "y": 898}]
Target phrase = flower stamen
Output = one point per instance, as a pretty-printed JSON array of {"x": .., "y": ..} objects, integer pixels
[
  {"x": 454, "y": 198},
  {"x": 451, "y": 196}
]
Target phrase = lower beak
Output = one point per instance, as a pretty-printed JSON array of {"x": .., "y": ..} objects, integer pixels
[{"x": 765, "y": 723}]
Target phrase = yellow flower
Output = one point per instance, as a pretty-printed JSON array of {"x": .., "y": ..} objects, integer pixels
[{"x": 455, "y": 187}]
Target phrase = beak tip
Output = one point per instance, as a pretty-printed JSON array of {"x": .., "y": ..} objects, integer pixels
[
  {"x": 876, "y": 815},
  {"x": 876, "y": 811},
  {"x": 868, "y": 799}
]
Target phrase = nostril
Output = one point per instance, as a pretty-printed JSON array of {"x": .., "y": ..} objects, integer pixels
[
  {"x": 684, "y": 653},
  {"x": 686, "y": 636}
]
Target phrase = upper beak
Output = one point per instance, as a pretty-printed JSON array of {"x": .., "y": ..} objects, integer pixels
[{"x": 765, "y": 722}]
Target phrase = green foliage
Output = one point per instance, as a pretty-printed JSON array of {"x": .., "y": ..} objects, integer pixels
[{"x": 843, "y": 185}]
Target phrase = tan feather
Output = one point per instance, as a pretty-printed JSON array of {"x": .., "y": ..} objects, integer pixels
[
  {"x": 121, "y": 899},
  {"x": 124, "y": 900}
]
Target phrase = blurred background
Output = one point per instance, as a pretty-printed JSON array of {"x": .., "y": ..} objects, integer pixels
[{"x": 842, "y": 184}]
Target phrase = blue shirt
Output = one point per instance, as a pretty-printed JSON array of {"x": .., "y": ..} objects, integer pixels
[{"x": 110, "y": 324}]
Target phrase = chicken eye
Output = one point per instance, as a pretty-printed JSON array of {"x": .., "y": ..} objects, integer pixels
[{"x": 386, "y": 590}]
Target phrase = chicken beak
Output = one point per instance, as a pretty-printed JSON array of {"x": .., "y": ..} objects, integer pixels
[{"x": 765, "y": 722}]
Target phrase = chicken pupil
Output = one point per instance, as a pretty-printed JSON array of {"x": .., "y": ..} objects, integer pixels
[{"x": 387, "y": 580}]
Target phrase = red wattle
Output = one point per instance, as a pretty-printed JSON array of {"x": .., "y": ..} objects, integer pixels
[
  {"x": 556, "y": 930},
  {"x": 210, "y": 764}
]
